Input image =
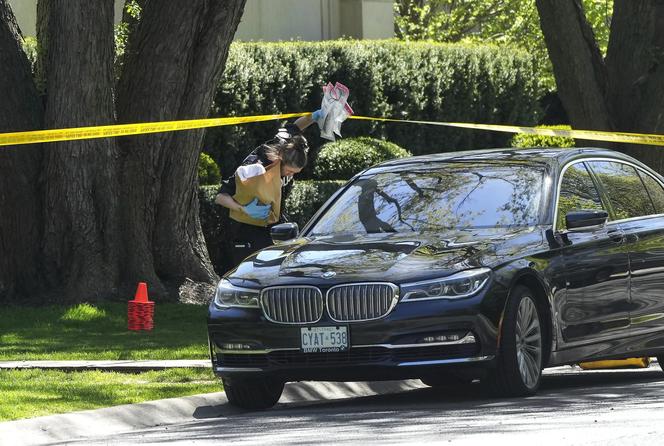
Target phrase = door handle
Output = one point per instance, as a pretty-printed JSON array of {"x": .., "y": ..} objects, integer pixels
[{"x": 616, "y": 236}]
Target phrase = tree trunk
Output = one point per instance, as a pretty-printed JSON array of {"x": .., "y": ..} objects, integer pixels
[
  {"x": 94, "y": 215},
  {"x": 20, "y": 109},
  {"x": 577, "y": 63},
  {"x": 625, "y": 92},
  {"x": 80, "y": 233},
  {"x": 635, "y": 63},
  {"x": 174, "y": 61}
]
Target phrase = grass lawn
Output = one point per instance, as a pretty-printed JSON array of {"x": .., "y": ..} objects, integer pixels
[
  {"x": 85, "y": 331},
  {"x": 33, "y": 393},
  {"x": 100, "y": 332}
]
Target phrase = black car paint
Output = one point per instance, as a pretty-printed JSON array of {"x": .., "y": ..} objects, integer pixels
[{"x": 584, "y": 296}]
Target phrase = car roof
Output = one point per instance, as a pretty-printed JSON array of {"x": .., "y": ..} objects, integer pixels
[{"x": 552, "y": 157}]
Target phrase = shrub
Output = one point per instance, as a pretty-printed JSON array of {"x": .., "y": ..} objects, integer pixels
[
  {"x": 523, "y": 140},
  {"x": 214, "y": 220},
  {"x": 208, "y": 171},
  {"x": 342, "y": 159},
  {"x": 414, "y": 80},
  {"x": 307, "y": 197}
]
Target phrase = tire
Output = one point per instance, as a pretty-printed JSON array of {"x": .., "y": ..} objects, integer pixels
[
  {"x": 253, "y": 393},
  {"x": 518, "y": 369}
]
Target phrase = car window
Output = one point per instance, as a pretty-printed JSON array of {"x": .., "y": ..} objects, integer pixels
[
  {"x": 655, "y": 191},
  {"x": 454, "y": 195},
  {"x": 626, "y": 192},
  {"x": 577, "y": 192}
]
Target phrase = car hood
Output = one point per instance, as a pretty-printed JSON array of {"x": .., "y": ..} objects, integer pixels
[{"x": 381, "y": 257}]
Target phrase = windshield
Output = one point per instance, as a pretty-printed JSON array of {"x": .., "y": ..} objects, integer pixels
[{"x": 455, "y": 195}]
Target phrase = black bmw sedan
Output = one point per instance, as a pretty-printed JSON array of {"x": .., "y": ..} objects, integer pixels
[{"x": 487, "y": 264}]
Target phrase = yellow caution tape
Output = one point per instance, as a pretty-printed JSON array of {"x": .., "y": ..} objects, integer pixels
[
  {"x": 594, "y": 135},
  {"x": 106, "y": 131},
  {"x": 641, "y": 363}
]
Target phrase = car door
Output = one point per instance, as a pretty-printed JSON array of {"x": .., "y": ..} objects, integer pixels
[
  {"x": 596, "y": 302},
  {"x": 637, "y": 202}
]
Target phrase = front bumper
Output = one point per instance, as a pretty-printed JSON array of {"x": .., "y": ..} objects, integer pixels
[{"x": 387, "y": 348}]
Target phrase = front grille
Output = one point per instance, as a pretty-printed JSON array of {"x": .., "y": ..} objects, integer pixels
[
  {"x": 361, "y": 301},
  {"x": 292, "y": 305},
  {"x": 242, "y": 360},
  {"x": 353, "y": 356},
  {"x": 435, "y": 352},
  {"x": 360, "y": 355}
]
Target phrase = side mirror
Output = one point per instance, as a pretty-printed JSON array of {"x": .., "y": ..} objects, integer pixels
[
  {"x": 284, "y": 231},
  {"x": 585, "y": 219}
]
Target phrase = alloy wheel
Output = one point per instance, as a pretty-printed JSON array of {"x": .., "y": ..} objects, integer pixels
[{"x": 528, "y": 342}]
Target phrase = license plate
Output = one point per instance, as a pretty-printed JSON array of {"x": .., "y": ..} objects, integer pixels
[{"x": 324, "y": 339}]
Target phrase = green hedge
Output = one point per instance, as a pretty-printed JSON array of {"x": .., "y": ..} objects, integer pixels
[
  {"x": 208, "y": 171},
  {"x": 214, "y": 219},
  {"x": 523, "y": 140},
  {"x": 305, "y": 199},
  {"x": 414, "y": 80},
  {"x": 342, "y": 159}
]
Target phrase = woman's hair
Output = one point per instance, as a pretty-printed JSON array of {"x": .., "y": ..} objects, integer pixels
[{"x": 291, "y": 151}]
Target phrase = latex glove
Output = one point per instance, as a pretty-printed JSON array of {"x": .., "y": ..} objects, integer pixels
[
  {"x": 256, "y": 210},
  {"x": 334, "y": 110}
]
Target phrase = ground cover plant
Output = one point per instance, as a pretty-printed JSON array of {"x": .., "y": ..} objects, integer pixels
[
  {"x": 32, "y": 393},
  {"x": 99, "y": 331}
]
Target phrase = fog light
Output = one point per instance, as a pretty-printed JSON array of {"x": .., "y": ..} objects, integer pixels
[
  {"x": 460, "y": 337},
  {"x": 236, "y": 347}
]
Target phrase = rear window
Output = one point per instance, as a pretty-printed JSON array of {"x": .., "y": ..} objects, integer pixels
[
  {"x": 655, "y": 191},
  {"x": 453, "y": 196},
  {"x": 627, "y": 194}
]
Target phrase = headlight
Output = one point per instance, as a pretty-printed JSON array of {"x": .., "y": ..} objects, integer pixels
[
  {"x": 463, "y": 284},
  {"x": 229, "y": 295}
]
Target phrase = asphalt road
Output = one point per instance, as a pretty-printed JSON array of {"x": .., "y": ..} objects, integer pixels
[{"x": 584, "y": 408}]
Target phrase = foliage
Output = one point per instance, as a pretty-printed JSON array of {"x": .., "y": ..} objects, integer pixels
[
  {"x": 523, "y": 140},
  {"x": 342, "y": 159},
  {"x": 307, "y": 197},
  {"x": 132, "y": 11},
  {"x": 208, "y": 171},
  {"x": 88, "y": 331},
  {"x": 33, "y": 393},
  {"x": 214, "y": 220},
  {"x": 421, "y": 80},
  {"x": 131, "y": 15},
  {"x": 30, "y": 47},
  {"x": 510, "y": 21}
]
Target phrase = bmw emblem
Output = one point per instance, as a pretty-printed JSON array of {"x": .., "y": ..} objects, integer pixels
[{"x": 328, "y": 274}]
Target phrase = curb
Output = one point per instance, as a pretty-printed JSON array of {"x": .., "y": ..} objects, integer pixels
[
  {"x": 107, "y": 366},
  {"x": 77, "y": 426}
]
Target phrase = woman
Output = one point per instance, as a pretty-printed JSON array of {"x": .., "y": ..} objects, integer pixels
[{"x": 255, "y": 194}]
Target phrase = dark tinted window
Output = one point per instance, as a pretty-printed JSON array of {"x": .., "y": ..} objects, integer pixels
[
  {"x": 655, "y": 191},
  {"x": 624, "y": 187},
  {"x": 455, "y": 195},
  {"x": 577, "y": 192}
]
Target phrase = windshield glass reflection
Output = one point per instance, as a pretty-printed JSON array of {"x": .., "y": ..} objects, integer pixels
[{"x": 453, "y": 196}]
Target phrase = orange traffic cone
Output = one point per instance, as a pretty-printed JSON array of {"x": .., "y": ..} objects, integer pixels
[{"x": 140, "y": 311}]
